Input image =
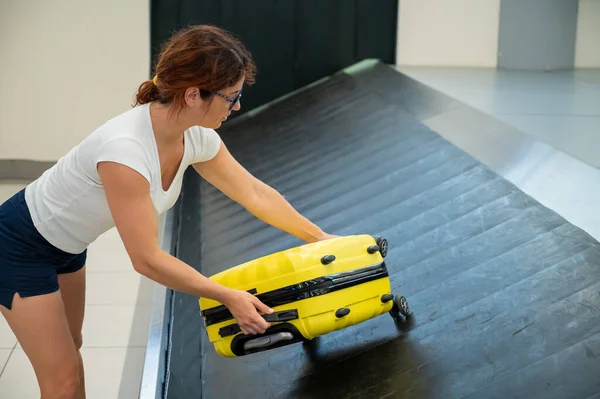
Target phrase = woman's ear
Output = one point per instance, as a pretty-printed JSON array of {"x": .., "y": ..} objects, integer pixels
[{"x": 192, "y": 97}]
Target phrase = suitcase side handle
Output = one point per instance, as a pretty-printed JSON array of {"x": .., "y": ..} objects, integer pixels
[{"x": 284, "y": 315}]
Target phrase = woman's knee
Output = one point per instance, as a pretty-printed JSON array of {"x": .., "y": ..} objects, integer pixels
[{"x": 65, "y": 384}]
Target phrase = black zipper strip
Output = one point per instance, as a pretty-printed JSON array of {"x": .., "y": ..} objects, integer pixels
[{"x": 306, "y": 289}]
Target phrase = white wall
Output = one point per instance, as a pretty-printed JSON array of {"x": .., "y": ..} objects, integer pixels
[
  {"x": 67, "y": 66},
  {"x": 587, "y": 49},
  {"x": 448, "y": 33}
]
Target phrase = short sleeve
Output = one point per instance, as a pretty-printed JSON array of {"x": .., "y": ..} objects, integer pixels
[
  {"x": 205, "y": 143},
  {"x": 126, "y": 151}
]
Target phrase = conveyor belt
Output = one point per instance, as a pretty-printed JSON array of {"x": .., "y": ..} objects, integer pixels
[{"x": 505, "y": 292}]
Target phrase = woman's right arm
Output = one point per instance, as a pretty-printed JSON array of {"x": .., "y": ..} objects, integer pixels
[{"x": 128, "y": 196}]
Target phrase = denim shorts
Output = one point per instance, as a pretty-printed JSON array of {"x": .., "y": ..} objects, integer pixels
[{"x": 29, "y": 264}]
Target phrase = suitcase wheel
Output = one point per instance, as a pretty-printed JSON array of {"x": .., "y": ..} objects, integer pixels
[
  {"x": 311, "y": 346},
  {"x": 400, "y": 307},
  {"x": 382, "y": 246}
]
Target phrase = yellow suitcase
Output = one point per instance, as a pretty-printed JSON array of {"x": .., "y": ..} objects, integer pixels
[{"x": 314, "y": 289}]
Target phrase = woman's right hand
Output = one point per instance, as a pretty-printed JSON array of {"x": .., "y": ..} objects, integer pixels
[{"x": 243, "y": 306}]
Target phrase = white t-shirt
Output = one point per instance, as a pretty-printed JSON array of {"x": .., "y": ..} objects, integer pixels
[{"x": 68, "y": 204}]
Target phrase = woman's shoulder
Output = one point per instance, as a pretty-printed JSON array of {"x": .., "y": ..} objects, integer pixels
[
  {"x": 204, "y": 143},
  {"x": 124, "y": 139},
  {"x": 130, "y": 123},
  {"x": 125, "y": 132}
]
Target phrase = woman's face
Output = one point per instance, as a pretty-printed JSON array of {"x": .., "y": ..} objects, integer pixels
[{"x": 216, "y": 109}]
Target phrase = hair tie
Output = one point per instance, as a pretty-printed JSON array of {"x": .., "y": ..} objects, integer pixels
[{"x": 154, "y": 79}]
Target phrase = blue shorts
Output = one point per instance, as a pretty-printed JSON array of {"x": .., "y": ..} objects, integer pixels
[{"x": 29, "y": 264}]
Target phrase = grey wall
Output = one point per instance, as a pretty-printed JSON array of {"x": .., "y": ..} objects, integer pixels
[
  {"x": 22, "y": 169},
  {"x": 537, "y": 34}
]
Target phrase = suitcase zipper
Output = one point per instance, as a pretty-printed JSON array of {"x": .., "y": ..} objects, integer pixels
[{"x": 303, "y": 290}]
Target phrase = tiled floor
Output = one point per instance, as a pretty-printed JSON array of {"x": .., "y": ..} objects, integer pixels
[
  {"x": 559, "y": 108},
  {"x": 114, "y": 333}
]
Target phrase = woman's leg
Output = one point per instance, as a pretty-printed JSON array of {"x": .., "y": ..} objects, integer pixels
[
  {"x": 41, "y": 327},
  {"x": 72, "y": 288}
]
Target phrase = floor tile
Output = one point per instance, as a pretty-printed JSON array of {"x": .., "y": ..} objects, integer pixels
[
  {"x": 577, "y": 136},
  {"x": 118, "y": 288},
  {"x": 18, "y": 379},
  {"x": 4, "y": 356},
  {"x": 110, "y": 373},
  {"x": 108, "y": 254},
  {"x": 7, "y": 338},
  {"x": 113, "y": 372},
  {"x": 116, "y": 326}
]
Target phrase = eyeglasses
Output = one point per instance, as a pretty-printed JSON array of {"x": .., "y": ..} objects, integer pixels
[{"x": 232, "y": 100}]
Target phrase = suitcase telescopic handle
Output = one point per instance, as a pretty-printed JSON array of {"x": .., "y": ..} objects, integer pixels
[{"x": 284, "y": 315}]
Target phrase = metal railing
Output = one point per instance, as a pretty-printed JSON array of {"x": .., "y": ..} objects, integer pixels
[{"x": 155, "y": 362}]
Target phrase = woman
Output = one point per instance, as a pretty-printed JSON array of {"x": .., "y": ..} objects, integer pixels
[{"x": 126, "y": 173}]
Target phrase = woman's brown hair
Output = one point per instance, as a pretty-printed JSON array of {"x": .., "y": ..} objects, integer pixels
[{"x": 204, "y": 56}]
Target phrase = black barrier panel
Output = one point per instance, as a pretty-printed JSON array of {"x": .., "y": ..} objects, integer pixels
[{"x": 293, "y": 43}]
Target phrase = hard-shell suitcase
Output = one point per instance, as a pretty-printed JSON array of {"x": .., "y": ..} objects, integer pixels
[{"x": 314, "y": 289}]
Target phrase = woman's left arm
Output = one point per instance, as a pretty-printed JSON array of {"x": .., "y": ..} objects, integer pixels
[{"x": 264, "y": 202}]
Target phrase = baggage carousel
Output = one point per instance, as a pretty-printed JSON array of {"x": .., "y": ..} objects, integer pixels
[{"x": 505, "y": 292}]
